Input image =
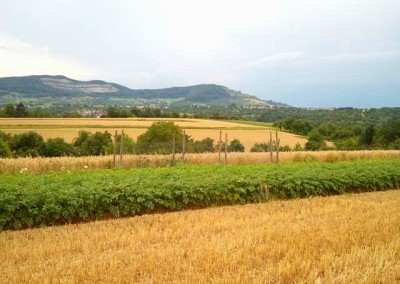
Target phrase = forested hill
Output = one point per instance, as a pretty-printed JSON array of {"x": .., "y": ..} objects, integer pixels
[{"x": 59, "y": 88}]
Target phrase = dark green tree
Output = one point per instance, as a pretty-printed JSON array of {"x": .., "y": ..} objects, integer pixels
[
  {"x": 113, "y": 111},
  {"x": 235, "y": 146},
  {"x": 158, "y": 138},
  {"x": 80, "y": 141},
  {"x": 28, "y": 144},
  {"x": 96, "y": 144},
  {"x": 367, "y": 136},
  {"x": 260, "y": 147},
  {"x": 315, "y": 141},
  {"x": 88, "y": 144},
  {"x": 204, "y": 146},
  {"x": 5, "y": 151},
  {"x": 391, "y": 132},
  {"x": 129, "y": 146},
  {"x": 20, "y": 110},
  {"x": 6, "y": 137},
  {"x": 57, "y": 147},
  {"x": 9, "y": 110}
]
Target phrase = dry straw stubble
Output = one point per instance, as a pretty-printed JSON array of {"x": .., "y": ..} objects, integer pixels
[{"x": 340, "y": 239}]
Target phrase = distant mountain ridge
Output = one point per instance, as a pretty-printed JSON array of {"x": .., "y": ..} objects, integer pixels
[{"x": 60, "y": 89}]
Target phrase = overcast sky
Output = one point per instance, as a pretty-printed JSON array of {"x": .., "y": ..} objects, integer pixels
[{"x": 302, "y": 52}]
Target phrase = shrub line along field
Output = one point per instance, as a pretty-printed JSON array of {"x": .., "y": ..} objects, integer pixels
[
  {"x": 338, "y": 239},
  {"x": 64, "y": 197}
]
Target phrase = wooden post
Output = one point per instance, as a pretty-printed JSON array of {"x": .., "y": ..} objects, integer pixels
[
  {"x": 173, "y": 148},
  {"x": 220, "y": 146},
  {"x": 226, "y": 148},
  {"x": 266, "y": 193},
  {"x": 121, "y": 148},
  {"x": 270, "y": 147},
  {"x": 183, "y": 146},
  {"x": 277, "y": 147},
  {"x": 115, "y": 148}
]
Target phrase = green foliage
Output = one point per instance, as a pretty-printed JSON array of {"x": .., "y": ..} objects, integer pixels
[
  {"x": 129, "y": 146},
  {"x": 296, "y": 126},
  {"x": 57, "y": 147},
  {"x": 6, "y": 137},
  {"x": 235, "y": 146},
  {"x": 265, "y": 147},
  {"x": 5, "y": 151},
  {"x": 20, "y": 110},
  {"x": 96, "y": 144},
  {"x": 315, "y": 141},
  {"x": 88, "y": 144},
  {"x": 63, "y": 197},
  {"x": 28, "y": 144},
  {"x": 9, "y": 110},
  {"x": 367, "y": 136},
  {"x": 204, "y": 146},
  {"x": 391, "y": 132},
  {"x": 113, "y": 111},
  {"x": 260, "y": 147},
  {"x": 158, "y": 139}
]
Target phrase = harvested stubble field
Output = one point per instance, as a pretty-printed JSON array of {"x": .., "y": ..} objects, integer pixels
[
  {"x": 43, "y": 165},
  {"x": 197, "y": 128},
  {"x": 340, "y": 239}
]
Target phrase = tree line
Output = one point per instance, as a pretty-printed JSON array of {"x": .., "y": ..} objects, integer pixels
[
  {"x": 158, "y": 139},
  {"x": 344, "y": 137},
  {"x": 20, "y": 110}
]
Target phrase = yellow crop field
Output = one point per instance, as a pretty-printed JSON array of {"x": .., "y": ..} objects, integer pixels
[
  {"x": 118, "y": 122},
  {"x": 41, "y": 165},
  {"x": 196, "y": 128},
  {"x": 339, "y": 239}
]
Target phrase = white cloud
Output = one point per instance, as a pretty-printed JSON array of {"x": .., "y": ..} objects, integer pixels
[
  {"x": 345, "y": 57},
  {"x": 20, "y": 58},
  {"x": 283, "y": 57}
]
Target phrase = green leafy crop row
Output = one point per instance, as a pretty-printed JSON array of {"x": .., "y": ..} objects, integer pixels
[{"x": 63, "y": 197}]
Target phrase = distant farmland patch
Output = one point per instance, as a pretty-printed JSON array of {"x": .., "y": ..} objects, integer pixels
[{"x": 248, "y": 134}]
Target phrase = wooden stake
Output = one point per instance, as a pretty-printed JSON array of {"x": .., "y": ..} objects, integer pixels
[
  {"x": 226, "y": 148},
  {"x": 266, "y": 193},
  {"x": 115, "y": 148},
  {"x": 277, "y": 147},
  {"x": 121, "y": 149},
  {"x": 173, "y": 148},
  {"x": 183, "y": 146},
  {"x": 270, "y": 147},
  {"x": 220, "y": 146}
]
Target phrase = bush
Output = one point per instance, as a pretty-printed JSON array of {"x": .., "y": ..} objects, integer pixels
[
  {"x": 57, "y": 147},
  {"x": 129, "y": 146},
  {"x": 28, "y": 144},
  {"x": 158, "y": 139},
  {"x": 260, "y": 147},
  {"x": 88, "y": 144},
  {"x": 204, "y": 146},
  {"x": 235, "y": 146},
  {"x": 5, "y": 151}
]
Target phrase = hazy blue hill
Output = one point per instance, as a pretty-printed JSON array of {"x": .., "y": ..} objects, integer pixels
[{"x": 61, "y": 87}]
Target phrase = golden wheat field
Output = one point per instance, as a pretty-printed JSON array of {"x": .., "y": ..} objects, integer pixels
[
  {"x": 42, "y": 165},
  {"x": 196, "y": 128},
  {"x": 119, "y": 122},
  {"x": 339, "y": 239}
]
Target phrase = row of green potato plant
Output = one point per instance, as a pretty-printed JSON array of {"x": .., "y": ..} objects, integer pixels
[{"x": 64, "y": 197}]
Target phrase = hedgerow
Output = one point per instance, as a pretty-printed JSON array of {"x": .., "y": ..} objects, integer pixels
[{"x": 64, "y": 197}]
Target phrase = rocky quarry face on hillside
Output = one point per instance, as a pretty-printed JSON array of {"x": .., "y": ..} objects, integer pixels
[{"x": 70, "y": 85}]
